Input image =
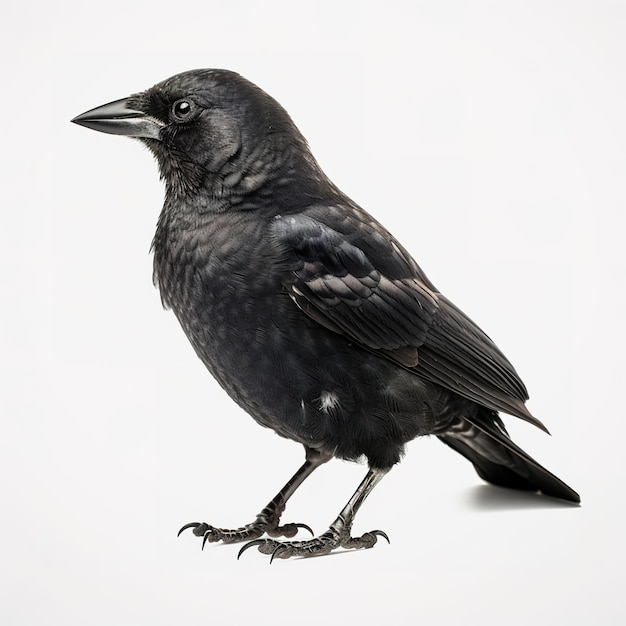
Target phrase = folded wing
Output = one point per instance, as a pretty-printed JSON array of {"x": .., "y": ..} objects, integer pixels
[{"x": 355, "y": 279}]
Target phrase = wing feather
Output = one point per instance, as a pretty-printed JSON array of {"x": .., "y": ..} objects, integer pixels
[{"x": 350, "y": 275}]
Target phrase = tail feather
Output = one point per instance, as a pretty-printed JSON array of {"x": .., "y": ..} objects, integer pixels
[{"x": 484, "y": 441}]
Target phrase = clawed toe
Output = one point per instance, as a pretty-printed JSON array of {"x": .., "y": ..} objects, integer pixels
[
  {"x": 306, "y": 527},
  {"x": 206, "y": 531},
  {"x": 186, "y": 526},
  {"x": 280, "y": 552},
  {"x": 377, "y": 533},
  {"x": 212, "y": 534},
  {"x": 270, "y": 547},
  {"x": 251, "y": 544}
]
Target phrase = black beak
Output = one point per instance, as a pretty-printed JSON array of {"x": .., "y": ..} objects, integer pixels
[{"x": 116, "y": 118}]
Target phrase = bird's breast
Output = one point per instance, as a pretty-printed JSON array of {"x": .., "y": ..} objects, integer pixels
[{"x": 222, "y": 277}]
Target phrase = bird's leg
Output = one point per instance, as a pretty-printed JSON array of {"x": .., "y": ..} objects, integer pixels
[
  {"x": 337, "y": 536},
  {"x": 267, "y": 520}
]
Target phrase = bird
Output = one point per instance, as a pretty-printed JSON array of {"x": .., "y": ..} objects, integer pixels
[{"x": 309, "y": 313}]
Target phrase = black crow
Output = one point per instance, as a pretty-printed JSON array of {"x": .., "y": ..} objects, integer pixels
[{"x": 307, "y": 311}]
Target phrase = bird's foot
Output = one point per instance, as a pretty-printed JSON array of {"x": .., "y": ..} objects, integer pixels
[
  {"x": 324, "y": 544},
  {"x": 266, "y": 522}
]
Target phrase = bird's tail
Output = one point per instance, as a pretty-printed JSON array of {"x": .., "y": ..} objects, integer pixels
[{"x": 484, "y": 441}]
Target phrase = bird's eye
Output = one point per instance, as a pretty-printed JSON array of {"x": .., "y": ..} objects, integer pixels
[{"x": 182, "y": 110}]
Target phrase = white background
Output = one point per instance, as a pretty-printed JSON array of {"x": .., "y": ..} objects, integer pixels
[{"x": 489, "y": 136}]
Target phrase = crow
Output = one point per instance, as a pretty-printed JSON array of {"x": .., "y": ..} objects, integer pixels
[{"x": 306, "y": 310}]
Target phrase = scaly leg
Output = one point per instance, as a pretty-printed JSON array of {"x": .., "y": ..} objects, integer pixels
[
  {"x": 337, "y": 536},
  {"x": 267, "y": 520}
]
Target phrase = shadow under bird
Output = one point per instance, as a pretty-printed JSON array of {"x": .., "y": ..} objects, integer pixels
[{"x": 307, "y": 311}]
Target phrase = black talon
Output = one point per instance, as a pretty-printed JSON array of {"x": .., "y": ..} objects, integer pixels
[
  {"x": 207, "y": 534},
  {"x": 306, "y": 527},
  {"x": 250, "y": 544},
  {"x": 186, "y": 526},
  {"x": 382, "y": 534},
  {"x": 279, "y": 548}
]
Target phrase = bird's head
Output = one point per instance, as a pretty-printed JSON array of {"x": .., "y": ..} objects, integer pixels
[{"x": 211, "y": 130}]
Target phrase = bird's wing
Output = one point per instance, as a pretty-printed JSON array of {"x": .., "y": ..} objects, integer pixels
[{"x": 350, "y": 275}]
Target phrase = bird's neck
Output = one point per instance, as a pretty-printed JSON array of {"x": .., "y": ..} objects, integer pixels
[{"x": 279, "y": 176}]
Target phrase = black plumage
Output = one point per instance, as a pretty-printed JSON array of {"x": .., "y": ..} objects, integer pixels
[{"x": 307, "y": 310}]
